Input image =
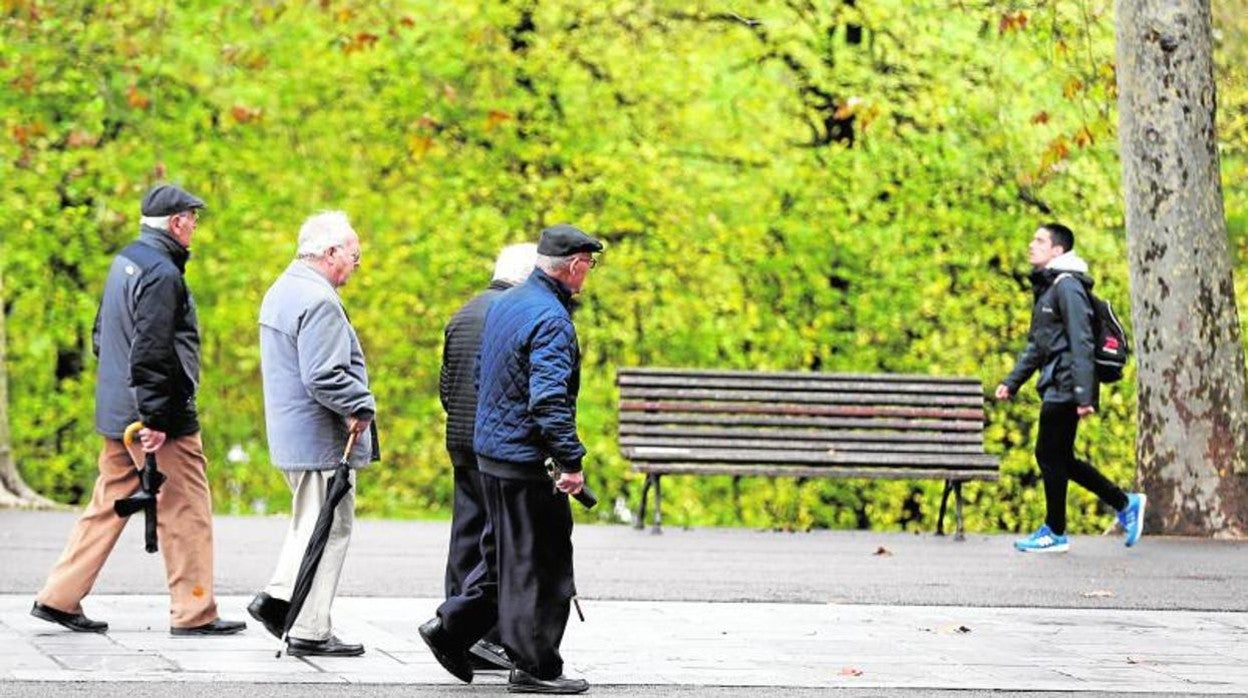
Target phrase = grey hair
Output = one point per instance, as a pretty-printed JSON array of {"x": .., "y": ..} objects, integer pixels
[
  {"x": 157, "y": 222},
  {"x": 322, "y": 231},
  {"x": 515, "y": 262},
  {"x": 554, "y": 264}
]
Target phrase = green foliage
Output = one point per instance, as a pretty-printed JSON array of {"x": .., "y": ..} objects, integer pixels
[{"x": 832, "y": 188}]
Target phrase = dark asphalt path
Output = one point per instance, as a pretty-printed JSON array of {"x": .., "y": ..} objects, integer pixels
[{"x": 406, "y": 558}]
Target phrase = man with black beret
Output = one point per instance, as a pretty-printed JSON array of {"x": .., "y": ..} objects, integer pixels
[
  {"x": 529, "y": 374},
  {"x": 146, "y": 338}
]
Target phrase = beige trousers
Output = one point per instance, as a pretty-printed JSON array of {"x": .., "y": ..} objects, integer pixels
[
  {"x": 308, "y": 489},
  {"x": 184, "y": 529}
]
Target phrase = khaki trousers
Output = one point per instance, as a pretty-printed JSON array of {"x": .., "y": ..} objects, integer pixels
[
  {"x": 308, "y": 489},
  {"x": 184, "y": 529}
]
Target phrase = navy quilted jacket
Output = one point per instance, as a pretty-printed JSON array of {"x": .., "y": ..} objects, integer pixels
[{"x": 529, "y": 374}]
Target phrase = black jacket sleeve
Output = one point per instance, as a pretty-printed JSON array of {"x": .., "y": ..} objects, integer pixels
[
  {"x": 153, "y": 360},
  {"x": 1027, "y": 363},
  {"x": 1075, "y": 309}
]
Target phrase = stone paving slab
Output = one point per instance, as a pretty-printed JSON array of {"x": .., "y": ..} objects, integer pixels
[{"x": 656, "y": 643}]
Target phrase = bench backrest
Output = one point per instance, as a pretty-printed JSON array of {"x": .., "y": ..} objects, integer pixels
[{"x": 698, "y": 418}]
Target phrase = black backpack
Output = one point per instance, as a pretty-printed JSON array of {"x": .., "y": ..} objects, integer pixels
[{"x": 1112, "y": 347}]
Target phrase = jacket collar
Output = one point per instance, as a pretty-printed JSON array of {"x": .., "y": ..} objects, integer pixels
[
  {"x": 159, "y": 239},
  {"x": 303, "y": 270},
  {"x": 562, "y": 292},
  {"x": 500, "y": 285}
]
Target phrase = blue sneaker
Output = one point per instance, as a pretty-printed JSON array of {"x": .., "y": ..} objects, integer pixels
[
  {"x": 1044, "y": 540},
  {"x": 1132, "y": 518}
]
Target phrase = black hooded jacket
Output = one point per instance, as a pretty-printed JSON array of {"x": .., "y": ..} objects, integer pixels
[{"x": 1060, "y": 343}]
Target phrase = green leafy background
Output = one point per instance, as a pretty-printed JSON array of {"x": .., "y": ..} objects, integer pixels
[{"x": 835, "y": 186}]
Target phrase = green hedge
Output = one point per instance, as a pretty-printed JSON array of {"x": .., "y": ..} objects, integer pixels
[{"x": 746, "y": 228}]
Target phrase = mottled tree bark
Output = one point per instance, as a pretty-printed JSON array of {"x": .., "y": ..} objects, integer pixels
[
  {"x": 14, "y": 492},
  {"x": 1193, "y": 427}
]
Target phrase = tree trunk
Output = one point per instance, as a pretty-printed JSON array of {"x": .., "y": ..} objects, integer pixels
[
  {"x": 1193, "y": 429},
  {"x": 14, "y": 492}
]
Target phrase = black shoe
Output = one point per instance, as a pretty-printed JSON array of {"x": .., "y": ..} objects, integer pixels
[
  {"x": 523, "y": 682},
  {"x": 74, "y": 621},
  {"x": 487, "y": 656},
  {"x": 270, "y": 612},
  {"x": 453, "y": 660},
  {"x": 216, "y": 627},
  {"x": 333, "y": 647}
]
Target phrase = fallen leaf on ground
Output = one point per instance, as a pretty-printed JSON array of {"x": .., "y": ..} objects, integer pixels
[
  {"x": 883, "y": 551},
  {"x": 851, "y": 671}
]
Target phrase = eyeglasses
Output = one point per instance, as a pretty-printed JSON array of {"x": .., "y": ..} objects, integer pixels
[
  {"x": 592, "y": 261},
  {"x": 355, "y": 256}
]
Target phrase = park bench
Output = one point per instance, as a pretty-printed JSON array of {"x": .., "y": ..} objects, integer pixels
[{"x": 803, "y": 425}]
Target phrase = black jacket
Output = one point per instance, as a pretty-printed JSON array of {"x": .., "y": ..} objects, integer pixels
[
  {"x": 457, "y": 385},
  {"x": 146, "y": 337},
  {"x": 1060, "y": 343}
]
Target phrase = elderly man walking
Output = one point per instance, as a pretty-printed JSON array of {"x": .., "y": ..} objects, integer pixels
[
  {"x": 147, "y": 341},
  {"x": 458, "y": 391},
  {"x": 530, "y": 365},
  {"x": 315, "y": 393}
]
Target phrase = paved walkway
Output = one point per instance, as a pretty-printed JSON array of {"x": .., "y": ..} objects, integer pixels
[
  {"x": 687, "y": 611},
  {"x": 684, "y": 644}
]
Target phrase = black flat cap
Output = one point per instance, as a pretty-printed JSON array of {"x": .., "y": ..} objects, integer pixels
[
  {"x": 563, "y": 240},
  {"x": 168, "y": 199}
]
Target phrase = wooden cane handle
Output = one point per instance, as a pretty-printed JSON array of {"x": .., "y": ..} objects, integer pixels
[{"x": 128, "y": 437}]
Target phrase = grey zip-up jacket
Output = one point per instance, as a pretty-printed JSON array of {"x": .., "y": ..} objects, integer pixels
[
  {"x": 1060, "y": 343},
  {"x": 314, "y": 374},
  {"x": 146, "y": 337}
]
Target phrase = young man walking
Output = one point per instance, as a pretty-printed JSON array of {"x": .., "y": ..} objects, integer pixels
[{"x": 1061, "y": 346}]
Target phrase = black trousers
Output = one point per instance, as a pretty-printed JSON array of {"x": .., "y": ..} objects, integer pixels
[
  {"x": 1055, "y": 452},
  {"x": 469, "y": 522},
  {"x": 524, "y": 584}
]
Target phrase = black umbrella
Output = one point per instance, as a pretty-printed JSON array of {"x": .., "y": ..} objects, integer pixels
[
  {"x": 150, "y": 480},
  {"x": 339, "y": 485}
]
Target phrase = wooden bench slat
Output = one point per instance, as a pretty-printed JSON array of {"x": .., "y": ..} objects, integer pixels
[
  {"x": 681, "y": 395},
  {"x": 799, "y": 375},
  {"x": 807, "y": 472},
  {"x": 628, "y": 429},
  {"x": 830, "y": 422},
  {"x": 832, "y": 457},
  {"x": 846, "y": 410},
  {"x": 633, "y": 383},
  {"x": 798, "y": 445}
]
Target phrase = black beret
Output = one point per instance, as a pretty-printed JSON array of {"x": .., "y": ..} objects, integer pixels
[
  {"x": 167, "y": 199},
  {"x": 563, "y": 240}
]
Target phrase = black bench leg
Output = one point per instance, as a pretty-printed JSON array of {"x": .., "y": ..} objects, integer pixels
[
  {"x": 957, "y": 510},
  {"x": 944, "y": 502},
  {"x": 641, "y": 509},
  {"x": 658, "y": 506}
]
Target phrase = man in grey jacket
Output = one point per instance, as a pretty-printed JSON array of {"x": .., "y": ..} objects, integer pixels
[{"x": 315, "y": 394}]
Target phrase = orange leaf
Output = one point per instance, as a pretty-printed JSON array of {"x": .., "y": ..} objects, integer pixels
[
  {"x": 1072, "y": 87},
  {"x": 244, "y": 115},
  {"x": 1040, "y": 117},
  {"x": 137, "y": 99},
  {"x": 495, "y": 118},
  {"x": 1084, "y": 137}
]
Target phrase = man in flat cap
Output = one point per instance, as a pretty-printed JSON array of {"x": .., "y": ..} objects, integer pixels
[
  {"x": 147, "y": 341},
  {"x": 528, "y": 379},
  {"x": 458, "y": 391}
]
